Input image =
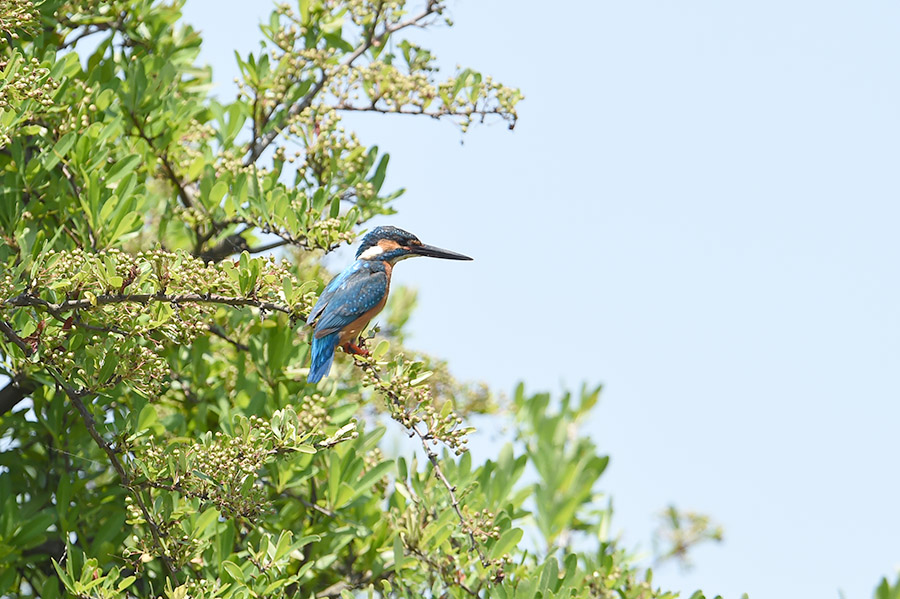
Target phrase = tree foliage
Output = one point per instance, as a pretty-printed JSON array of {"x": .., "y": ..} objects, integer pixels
[{"x": 158, "y": 434}]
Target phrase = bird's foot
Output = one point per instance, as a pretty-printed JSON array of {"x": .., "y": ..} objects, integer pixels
[{"x": 352, "y": 348}]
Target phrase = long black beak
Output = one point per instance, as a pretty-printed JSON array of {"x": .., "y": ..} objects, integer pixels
[{"x": 435, "y": 252}]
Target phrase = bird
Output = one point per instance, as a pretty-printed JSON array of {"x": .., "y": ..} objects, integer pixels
[{"x": 357, "y": 294}]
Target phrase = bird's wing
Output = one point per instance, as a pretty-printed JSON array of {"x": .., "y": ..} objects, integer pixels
[
  {"x": 328, "y": 292},
  {"x": 359, "y": 289}
]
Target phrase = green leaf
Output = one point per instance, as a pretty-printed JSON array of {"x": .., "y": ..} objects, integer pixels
[
  {"x": 304, "y": 541},
  {"x": 63, "y": 576},
  {"x": 216, "y": 194},
  {"x": 233, "y": 570},
  {"x": 421, "y": 378},
  {"x": 204, "y": 520},
  {"x": 335, "y": 207},
  {"x": 507, "y": 541},
  {"x": 304, "y": 11},
  {"x": 287, "y": 287},
  {"x": 377, "y": 179},
  {"x": 444, "y": 523},
  {"x": 33, "y": 531},
  {"x": 107, "y": 369},
  {"x": 398, "y": 552},
  {"x": 550, "y": 575},
  {"x": 126, "y": 582},
  {"x": 121, "y": 168},
  {"x": 372, "y": 476},
  {"x": 129, "y": 223},
  {"x": 346, "y": 494},
  {"x": 381, "y": 348},
  {"x": 59, "y": 150},
  {"x": 334, "y": 479},
  {"x": 284, "y": 545}
]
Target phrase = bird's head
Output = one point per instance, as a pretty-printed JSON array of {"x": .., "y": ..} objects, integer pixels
[{"x": 390, "y": 244}]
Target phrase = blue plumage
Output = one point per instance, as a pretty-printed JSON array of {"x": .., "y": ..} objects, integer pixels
[
  {"x": 347, "y": 298},
  {"x": 353, "y": 297},
  {"x": 358, "y": 289},
  {"x": 322, "y": 356}
]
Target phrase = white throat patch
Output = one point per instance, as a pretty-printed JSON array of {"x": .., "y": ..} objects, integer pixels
[{"x": 371, "y": 253}]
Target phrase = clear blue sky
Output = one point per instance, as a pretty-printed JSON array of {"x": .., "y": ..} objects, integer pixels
[{"x": 699, "y": 209}]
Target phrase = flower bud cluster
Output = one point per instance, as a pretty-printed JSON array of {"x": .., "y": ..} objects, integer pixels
[
  {"x": 416, "y": 522},
  {"x": 28, "y": 80},
  {"x": 221, "y": 468},
  {"x": 411, "y": 403},
  {"x": 114, "y": 313},
  {"x": 27, "y": 87},
  {"x": 77, "y": 106},
  {"x": 381, "y": 87},
  {"x": 481, "y": 524},
  {"x": 372, "y": 459},
  {"x": 312, "y": 413},
  {"x": 17, "y": 17},
  {"x": 326, "y": 234}
]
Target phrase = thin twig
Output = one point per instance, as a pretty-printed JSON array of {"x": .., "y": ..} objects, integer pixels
[
  {"x": 77, "y": 191},
  {"x": 164, "y": 159},
  {"x": 286, "y": 238},
  {"x": 219, "y": 332},
  {"x": 427, "y": 559},
  {"x": 451, "y": 490},
  {"x": 435, "y": 462},
  {"x": 258, "y": 147},
  {"x": 370, "y": 37},
  {"x": 86, "y": 33},
  {"x": 264, "y": 141},
  {"x": 91, "y": 425}
]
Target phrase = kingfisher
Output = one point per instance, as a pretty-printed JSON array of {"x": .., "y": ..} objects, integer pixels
[{"x": 355, "y": 296}]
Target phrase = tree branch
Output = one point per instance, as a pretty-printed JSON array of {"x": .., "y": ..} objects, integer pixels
[
  {"x": 441, "y": 570},
  {"x": 451, "y": 490},
  {"x": 436, "y": 114},
  {"x": 369, "y": 39},
  {"x": 144, "y": 298},
  {"x": 265, "y": 140},
  {"x": 15, "y": 391},
  {"x": 17, "y": 341},
  {"x": 233, "y": 244},
  {"x": 268, "y": 246},
  {"x": 258, "y": 147}
]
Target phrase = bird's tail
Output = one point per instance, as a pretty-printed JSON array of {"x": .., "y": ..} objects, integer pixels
[{"x": 322, "y": 357}]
